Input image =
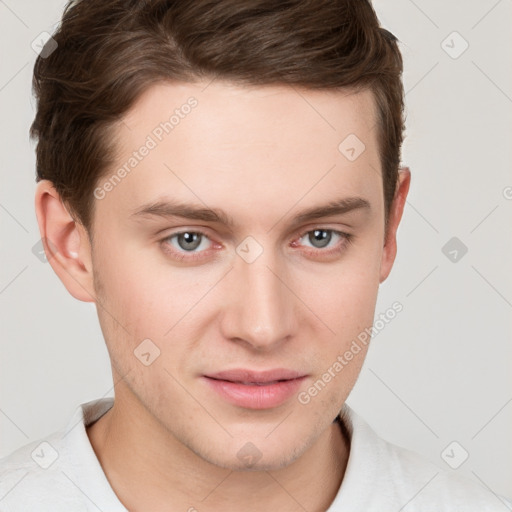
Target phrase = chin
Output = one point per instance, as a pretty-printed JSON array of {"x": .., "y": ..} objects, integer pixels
[{"x": 258, "y": 456}]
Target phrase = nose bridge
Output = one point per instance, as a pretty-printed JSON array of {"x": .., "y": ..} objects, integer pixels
[{"x": 262, "y": 311}]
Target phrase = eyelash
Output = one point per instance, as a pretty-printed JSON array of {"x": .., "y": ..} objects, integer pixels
[{"x": 347, "y": 239}]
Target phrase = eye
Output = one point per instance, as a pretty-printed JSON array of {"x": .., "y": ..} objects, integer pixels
[
  {"x": 320, "y": 238},
  {"x": 187, "y": 244}
]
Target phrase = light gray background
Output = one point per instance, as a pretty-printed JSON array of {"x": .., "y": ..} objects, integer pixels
[{"x": 441, "y": 370}]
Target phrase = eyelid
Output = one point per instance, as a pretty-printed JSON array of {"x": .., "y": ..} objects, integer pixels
[{"x": 343, "y": 231}]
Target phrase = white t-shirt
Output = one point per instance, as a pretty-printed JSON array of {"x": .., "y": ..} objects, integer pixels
[{"x": 61, "y": 473}]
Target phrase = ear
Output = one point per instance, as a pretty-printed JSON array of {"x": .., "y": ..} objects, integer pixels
[
  {"x": 66, "y": 243},
  {"x": 395, "y": 215}
]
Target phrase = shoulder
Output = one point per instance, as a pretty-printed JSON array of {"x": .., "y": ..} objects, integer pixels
[
  {"x": 405, "y": 480},
  {"x": 33, "y": 476},
  {"x": 425, "y": 484},
  {"x": 58, "y": 473}
]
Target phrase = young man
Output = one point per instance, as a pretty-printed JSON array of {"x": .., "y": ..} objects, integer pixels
[{"x": 222, "y": 180}]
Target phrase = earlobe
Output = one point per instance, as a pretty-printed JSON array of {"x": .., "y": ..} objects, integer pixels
[
  {"x": 397, "y": 209},
  {"x": 65, "y": 242}
]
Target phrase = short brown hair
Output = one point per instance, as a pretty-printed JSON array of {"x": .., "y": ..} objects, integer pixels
[{"x": 109, "y": 51}]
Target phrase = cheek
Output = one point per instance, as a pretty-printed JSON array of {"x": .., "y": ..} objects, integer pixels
[
  {"x": 132, "y": 285},
  {"x": 146, "y": 299},
  {"x": 129, "y": 306},
  {"x": 344, "y": 294}
]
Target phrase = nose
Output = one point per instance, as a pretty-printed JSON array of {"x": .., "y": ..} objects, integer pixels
[{"x": 262, "y": 310}]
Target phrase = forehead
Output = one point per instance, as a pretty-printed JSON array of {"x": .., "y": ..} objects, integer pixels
[
  {"x": 251, "y": 113},
  {"x": 227, "y": 144}
]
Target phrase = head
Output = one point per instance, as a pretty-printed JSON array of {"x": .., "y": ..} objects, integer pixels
[{"x": 251, "y": 116}]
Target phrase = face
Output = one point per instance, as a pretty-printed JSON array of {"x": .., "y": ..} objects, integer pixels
[{"x": 224, "y": 325}]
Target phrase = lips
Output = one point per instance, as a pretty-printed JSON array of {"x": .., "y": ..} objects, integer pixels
[
  {"x": 255, "y": 389},
  {"x": 254, "y": 377}
]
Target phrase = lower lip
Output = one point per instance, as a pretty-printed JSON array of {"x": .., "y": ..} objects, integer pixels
[{"x": 253, "y": 396}]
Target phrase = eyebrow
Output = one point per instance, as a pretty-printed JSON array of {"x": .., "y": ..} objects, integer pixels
[{"x": 172, "y": 208}]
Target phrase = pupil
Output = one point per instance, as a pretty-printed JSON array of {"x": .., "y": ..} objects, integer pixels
[
  {"x": 321, "y": 235},
  {"x": 190, "y": 240}
]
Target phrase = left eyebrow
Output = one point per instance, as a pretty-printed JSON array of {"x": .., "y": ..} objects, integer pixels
[
  {"x": 172, "y": 208},
  {"x": 337, "y": 207}
]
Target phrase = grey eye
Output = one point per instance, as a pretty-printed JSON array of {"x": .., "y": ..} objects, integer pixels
[
  {"x": 188, "y": 240},
  {"x": 320, "y": 238}
]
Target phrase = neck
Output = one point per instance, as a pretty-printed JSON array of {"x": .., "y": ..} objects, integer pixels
[{"x": 149, "y": 475}]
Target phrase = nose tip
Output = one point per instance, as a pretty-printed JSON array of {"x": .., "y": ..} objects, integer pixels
[
  {"x": 263, "y": 337},
  {"x": 262, "y": 312}
]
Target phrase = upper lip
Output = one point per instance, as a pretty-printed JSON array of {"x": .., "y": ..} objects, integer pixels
[{"x": 243, "y": 375}]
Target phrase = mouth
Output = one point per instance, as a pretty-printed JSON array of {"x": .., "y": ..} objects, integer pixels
[{"x": 255, "y": 390}]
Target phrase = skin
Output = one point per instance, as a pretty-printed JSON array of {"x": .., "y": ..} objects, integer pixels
[{"x": 262, "y": 154}]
